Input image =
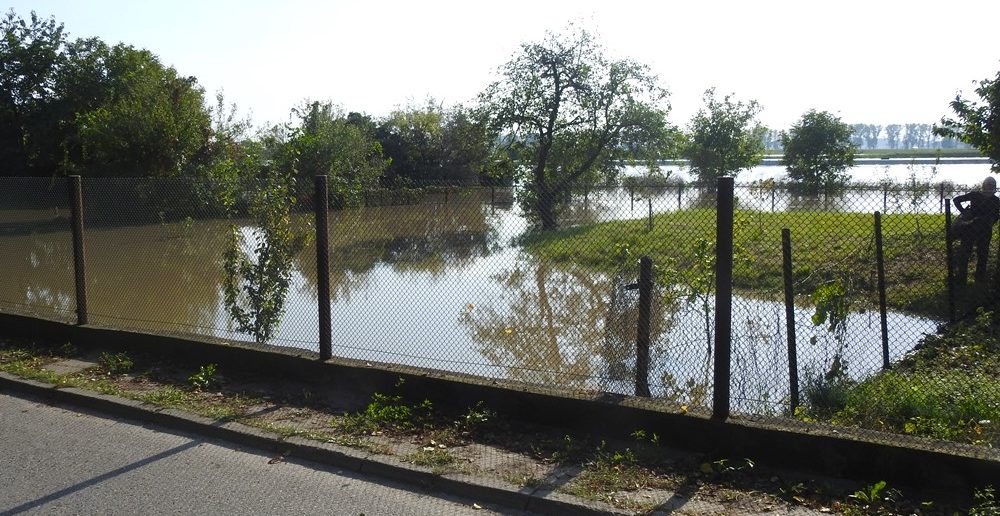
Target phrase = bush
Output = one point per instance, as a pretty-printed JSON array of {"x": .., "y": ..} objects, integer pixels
[{"x": 115, "y": 363}]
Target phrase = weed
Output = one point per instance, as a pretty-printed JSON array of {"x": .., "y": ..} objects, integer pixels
[
  {"x": 166, "y": 397},
  {"x": 66, "y": 350},
  {"x": 986, "y": 502},
  {"x": 431, "y": 457},
  {"x": 874, "y": 499},
  {"x": 115, "y": 363},
  {"x": 388, "y": 412},
  {"x": 477, "y": 417},
  {"x": 205, "y": 378}
]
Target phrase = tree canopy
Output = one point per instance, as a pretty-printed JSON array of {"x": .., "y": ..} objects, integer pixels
[
  {"x": 724, "y": 137},
  {"x": 818, "y": 150},
  {"x": 431, "y": 143},
  {"x": 84, "y": 107},
  {"x": 977, "y": 123},
  {"x": 568, "y": 116}
]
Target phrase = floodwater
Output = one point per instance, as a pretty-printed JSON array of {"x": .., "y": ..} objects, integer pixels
[{"x": 444, "y": 286}]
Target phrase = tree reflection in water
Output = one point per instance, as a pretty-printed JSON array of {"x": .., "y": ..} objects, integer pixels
[{"x": 563, "y": 325}]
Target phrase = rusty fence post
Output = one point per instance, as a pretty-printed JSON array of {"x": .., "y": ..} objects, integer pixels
[
  {"x": 880, "y": 266},
  {"x": 723, "y": 298},
  {"x": 645, "y": 321},
  {"x": 322, "y": 202},
  {"x": 793, "y": 361},
  {"x": 950, "y": 259},
  {"x": 79, "y": 249}
]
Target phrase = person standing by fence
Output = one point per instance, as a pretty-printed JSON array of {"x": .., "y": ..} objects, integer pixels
[{"x": 974, "y": 227}]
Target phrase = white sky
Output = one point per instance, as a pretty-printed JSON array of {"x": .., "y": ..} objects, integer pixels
[{"x": 868, "y": 61}]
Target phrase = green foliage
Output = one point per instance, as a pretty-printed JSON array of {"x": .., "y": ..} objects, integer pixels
[
  {"x": 257, "y": 263},
  {"x": 115, "y": 363},
  {"x": 986, "y": 503},
  {"x": 204, "y": 378},
  {"x": 874, "y": 499},
  {"x": 431, "y": 457},
  {"x": 832, "y": 307},
  {"x": 430, "y": 143},
  {"x": 568, "y": 117},
  {"x": 818, "y": 151},
  {"x": 150, "y": 122},
  {"x": 325, "y": 141},
  {"x": 84, "y": 107},
  {"x": 724, "y": 138},
  {"x": 31, "y": 53},
  {"x": 390, "y": 412},
  {"x": 945, "y": 390},
  {"x": 977, "y": 123},
  {"x": 477, "y": 417}
]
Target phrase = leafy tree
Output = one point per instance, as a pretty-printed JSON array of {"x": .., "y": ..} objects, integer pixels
[
  {"x": 977, "y": 123},
  {"x": 872, "y": 132},
  {"x": 892, "y": 135},
  {"x": 724, "y": 138},
  {"x": 325, "y": 141},
  {"x": 432, "y": 143},
  {"x": 256, "y": 276},
  {"x": 30, "y": 55},
  {"x": 151, "y": 122},
  {"x": 86, "y": 108},
  {"x": 818, "y": 150},
  {"x": 570, "y": 116},
  {"x": 772, "y": 139},
  {"x": 859, "y": 133}
]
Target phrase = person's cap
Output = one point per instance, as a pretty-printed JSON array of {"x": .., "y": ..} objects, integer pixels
[{"x": 989, "y": 184}]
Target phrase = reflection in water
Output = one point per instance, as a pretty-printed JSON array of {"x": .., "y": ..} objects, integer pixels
[
  {"x": 38, "y": 273},
  {"x": 563, "y": 325},
  {"x": 420, "y": 238}
]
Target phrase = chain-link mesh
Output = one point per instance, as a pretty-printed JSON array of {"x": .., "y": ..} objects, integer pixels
[
  {"x": 37, "y": 248},
  {"x": 455, "y": 278}
]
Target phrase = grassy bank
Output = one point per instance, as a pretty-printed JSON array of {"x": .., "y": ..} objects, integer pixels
[
  {"x": 949, "y": 389},
  {"x": 826, "y": 247}
]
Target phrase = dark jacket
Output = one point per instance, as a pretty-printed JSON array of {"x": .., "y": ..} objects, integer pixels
[{"x": 976, "y": 219}]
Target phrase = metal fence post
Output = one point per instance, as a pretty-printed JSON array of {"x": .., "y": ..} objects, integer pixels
[
  {"x": 79, "y": 254},
  {"x": 650, "y": 201},
  {"x": 793, "y": 361},
  {"x": 723, "y": 297},
  {"x": 950, "y": 259},
  {"x": 322, "y": 200},
  {"x": 645, "y": 320},
  {"x": 880, "y": 266},
  {"x": 679, "y": 188}
]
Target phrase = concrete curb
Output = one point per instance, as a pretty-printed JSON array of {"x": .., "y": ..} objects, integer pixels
[{"x": 323, "y": 453}]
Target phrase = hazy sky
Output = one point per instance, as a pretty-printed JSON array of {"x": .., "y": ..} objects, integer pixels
[{"x": 868, "y": 61}]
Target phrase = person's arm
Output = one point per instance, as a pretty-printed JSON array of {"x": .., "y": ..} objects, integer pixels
[{"x": 960, "y": 199}]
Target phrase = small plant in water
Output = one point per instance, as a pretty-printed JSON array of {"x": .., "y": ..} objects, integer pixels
[
  {"x": 115, "y": 363},
  {"x": 205, "y": 377}
]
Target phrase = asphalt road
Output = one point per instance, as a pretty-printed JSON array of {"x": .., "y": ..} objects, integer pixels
[{"x": 57, "y": 461}]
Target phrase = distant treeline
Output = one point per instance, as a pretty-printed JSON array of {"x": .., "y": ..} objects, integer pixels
[{"x": 890, "y": 137}]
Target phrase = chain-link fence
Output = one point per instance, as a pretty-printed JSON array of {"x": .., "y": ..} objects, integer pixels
[{"x": 455, "y": 278}]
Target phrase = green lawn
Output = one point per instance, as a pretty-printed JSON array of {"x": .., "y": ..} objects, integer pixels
[{"x": 826, "y": 246}]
